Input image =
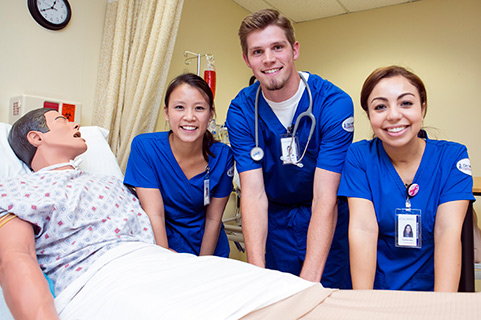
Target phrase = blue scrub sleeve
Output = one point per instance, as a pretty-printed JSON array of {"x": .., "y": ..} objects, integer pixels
[
  {"x": 225, "y": 186},
  {"x": 241, "y": 130},
  {"x": 140, "y": 171},
  {"x": 337, "y": 132},
  {"x": 354, "y": 181},
  {"x": 459, "y": 184}
]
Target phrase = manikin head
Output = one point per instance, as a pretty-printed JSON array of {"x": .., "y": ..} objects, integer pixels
[{"x": 44, "y": 137}]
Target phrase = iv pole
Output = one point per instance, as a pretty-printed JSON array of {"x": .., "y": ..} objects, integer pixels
[{"x": 189, "y": 55}]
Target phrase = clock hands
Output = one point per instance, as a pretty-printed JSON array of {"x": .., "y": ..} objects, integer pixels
[{"x": 52, "y": 7}]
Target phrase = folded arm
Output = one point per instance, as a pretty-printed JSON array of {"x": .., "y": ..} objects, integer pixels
[{"x": 25, "y": 289}]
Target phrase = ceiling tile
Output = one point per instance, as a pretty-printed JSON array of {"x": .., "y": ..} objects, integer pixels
[
  {"x": 253, "y": 5},
  {"x": 306, "y": 10},
  {"x": 356, "y": 5}
]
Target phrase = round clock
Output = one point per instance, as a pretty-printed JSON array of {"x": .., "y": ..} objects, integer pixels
[{"x": 50, "y": 14}]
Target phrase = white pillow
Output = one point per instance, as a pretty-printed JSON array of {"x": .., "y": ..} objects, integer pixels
[
  {"x": 10, "y": 165},
  {"x": 97, "y": 159}
]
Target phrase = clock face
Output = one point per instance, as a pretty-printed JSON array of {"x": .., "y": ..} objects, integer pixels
[
  {"x": 54, "y": 11},
  {"x": 51, "y": 14}
]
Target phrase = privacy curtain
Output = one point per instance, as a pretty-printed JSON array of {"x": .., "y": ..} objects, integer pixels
[{"x": 137, "y": 46}]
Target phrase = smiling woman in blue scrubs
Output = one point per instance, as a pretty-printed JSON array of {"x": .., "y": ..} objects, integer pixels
[
  {"x": 399, "y": 179},
  {"x": 183, "y": 178}
]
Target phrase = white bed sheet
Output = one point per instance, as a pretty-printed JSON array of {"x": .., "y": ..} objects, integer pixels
[{"x": 172, "y": 286}]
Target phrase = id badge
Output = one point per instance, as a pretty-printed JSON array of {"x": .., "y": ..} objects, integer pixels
[
  {"x": 290, "y": 149},
  {"x": 408, "y": 228},
  {"x": 206, "y": 192}
]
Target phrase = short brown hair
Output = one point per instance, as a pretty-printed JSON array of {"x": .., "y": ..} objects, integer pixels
[
  {"x": 388, "y": 72},
  {"x": 260, "y": 20}
]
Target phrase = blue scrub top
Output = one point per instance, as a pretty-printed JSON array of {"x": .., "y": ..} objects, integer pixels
[
  {"x": 289, "y": 189},
  {"x": 444, "y": 175},
  {"x": 289, "y": 184},
  {"x": 153, "y": 165}
]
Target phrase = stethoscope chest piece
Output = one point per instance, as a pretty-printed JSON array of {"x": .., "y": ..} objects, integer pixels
[{"x": 257, "y": 153}]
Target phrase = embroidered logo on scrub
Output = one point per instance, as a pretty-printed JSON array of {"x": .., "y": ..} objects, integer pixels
[
  {"x": 348, "y": 124},
  {"x": 464, "y": 165}
]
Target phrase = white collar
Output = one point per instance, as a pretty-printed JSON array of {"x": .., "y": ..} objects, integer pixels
[{"x": 73, "y": 163}]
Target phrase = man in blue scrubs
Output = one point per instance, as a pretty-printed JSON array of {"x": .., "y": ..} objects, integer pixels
[{"x": 291, "y": 219}]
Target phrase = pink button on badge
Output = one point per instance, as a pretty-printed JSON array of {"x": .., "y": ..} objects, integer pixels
[{"x": 413, "y": 190}]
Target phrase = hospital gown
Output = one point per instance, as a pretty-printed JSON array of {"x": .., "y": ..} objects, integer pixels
[{"x": 77, "y": 217}]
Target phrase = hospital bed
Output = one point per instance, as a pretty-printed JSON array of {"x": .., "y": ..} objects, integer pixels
[{"x": 249, "y": 292}]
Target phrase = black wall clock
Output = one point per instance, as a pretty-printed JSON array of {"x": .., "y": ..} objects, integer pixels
[{"x": 50, "y": 14}]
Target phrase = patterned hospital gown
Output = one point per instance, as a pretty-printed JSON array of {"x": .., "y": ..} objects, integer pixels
[{"x": 77, "y": 217}]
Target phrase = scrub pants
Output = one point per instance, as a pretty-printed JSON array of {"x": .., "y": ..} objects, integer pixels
[{"x": 286, "y": 243}]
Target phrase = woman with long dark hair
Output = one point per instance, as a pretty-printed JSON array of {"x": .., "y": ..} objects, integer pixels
[{"x": 183, "y": 177}]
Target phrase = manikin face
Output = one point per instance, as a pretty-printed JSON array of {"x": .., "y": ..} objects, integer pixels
[
  {"x": 188, "y": 113},
  {"x": 271, "y": 58},
  {"x": 395, "y": 111},
  {"x": 63, "y": 137}
]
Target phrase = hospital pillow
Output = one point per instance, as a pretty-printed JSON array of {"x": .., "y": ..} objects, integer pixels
[
  {"x": 10, "y": 165},
  {"x": 97, "y": 159}
]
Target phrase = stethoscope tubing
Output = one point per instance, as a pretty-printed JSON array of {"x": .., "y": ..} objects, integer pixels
[{"x": 257, "y": 153}]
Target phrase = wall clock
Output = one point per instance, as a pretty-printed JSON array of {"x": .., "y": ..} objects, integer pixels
[{"x": 50, "y": 14}]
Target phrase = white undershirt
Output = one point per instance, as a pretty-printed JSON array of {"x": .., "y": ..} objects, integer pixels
[{"x": 286, "y": 109}]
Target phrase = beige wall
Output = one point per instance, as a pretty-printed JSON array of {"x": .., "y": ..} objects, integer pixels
[
  {"x": 438, "y": 39},
  {"x": 56, "y": 64},
  {"x": 210, "y": 26}
]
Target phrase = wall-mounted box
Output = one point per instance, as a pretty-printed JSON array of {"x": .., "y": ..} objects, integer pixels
[{"x": 22, "y": 104}]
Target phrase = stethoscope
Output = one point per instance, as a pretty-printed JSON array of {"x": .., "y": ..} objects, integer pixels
[{"x": 257, "y": 154}]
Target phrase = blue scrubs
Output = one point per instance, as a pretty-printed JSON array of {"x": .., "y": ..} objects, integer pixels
[
  {"x": 444, "y": 175},
  {"x": 289, "y": 189},
  {"x": 152, "y": 165}
]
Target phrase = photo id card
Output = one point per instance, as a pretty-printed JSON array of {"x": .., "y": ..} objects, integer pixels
[
  {"x": 408, "y": 228},
  {"x": 290, "y": 149},
  {"x": 206, "y": 192}
]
